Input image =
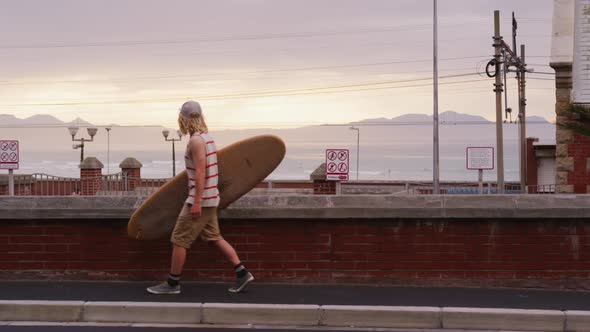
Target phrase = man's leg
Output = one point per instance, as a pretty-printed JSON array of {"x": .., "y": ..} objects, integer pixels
[
  {"x": 183, "y": 235},
  {"x": 212, "y": 235},
  {"x": 228, "y": 251},
  {"x": 178, "y": 259},
  {"x": 243, "y": 277}
]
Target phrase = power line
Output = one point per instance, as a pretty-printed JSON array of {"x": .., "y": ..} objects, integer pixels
[
  {"x": 282, "y": 35},
  {"x": 541, "y": 73},
  {"x": 276, "y": 93},
  {"x": 222, "y": 39},
  {"x": 540, "y": 79},
  {"x": 66, "y": 125},
  {"x": 234, "y": 125},
  {"x": 251, "y": 72}
]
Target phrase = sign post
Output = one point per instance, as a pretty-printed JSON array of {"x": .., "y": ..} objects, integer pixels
[
  {"x": 9, "y": 159},
  {"x": 337, "y": 166},
  {"x": 480, "y": 159}
]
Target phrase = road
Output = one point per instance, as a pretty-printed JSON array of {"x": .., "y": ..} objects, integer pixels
[
  {"x": 200, "y": 329},
  {"x": 302, "y": 294}
]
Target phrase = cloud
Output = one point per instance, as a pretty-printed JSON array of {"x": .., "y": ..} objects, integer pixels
[{"x": 228, "y": 45}]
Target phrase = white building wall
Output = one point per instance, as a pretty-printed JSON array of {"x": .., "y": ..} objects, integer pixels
[
  {"x": 562, "y": 42},
  {"x": 581, "y": 69}
]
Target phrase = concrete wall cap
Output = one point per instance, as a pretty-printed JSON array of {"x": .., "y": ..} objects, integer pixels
[
  {"x": 91, "y": 163},
  {"x": 130, "y": 162}
]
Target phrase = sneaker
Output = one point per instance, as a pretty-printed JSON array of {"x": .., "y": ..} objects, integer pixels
[
  {"x": 241, "y": 283},
  {"x": 164, "y": 288}
]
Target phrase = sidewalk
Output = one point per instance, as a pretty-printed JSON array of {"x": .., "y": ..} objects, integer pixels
[
  {"x": 300, "y": 294},
  {"x": 298, "y": 305}
]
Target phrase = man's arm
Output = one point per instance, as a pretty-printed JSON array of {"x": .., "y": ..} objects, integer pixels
[{"x": 199, "y": 157}]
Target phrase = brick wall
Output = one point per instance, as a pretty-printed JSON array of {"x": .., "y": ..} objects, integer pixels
[
  {"x": 579, "y": 176},
  {"x": 91, "y": 181},
  {"x": 523, "y": 253},
  {"x": 134, "y": 177},
  {"x": 324, "y": 187}
]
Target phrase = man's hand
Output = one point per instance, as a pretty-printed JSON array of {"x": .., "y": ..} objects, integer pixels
[{"x": 196, "y": 210}]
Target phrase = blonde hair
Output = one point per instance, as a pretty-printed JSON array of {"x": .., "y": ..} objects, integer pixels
[{"x": 196, "y": 123}]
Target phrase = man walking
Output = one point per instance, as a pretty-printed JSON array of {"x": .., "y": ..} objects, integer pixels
[{"x": 198, "y": 217}]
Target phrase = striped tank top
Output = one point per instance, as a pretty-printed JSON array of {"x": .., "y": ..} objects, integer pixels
[{"x": 210, "y": 196}]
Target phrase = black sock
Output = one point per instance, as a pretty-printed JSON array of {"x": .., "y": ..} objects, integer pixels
[
  {"x": 173, "y": 279},
  {"x": 240, "y": 270}
]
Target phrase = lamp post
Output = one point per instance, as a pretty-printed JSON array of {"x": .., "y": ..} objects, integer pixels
[
  {"x": 108, "y": 129},
  {"x": 435, "y": 148},
  {"x": 358, "y": 139},
  {"x": 73, "y": 131},
  {"x": 165, "y": 133}
]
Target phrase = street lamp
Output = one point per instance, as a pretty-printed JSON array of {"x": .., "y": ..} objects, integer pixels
[
  {"x": 435, "y": 143},
  {"x": 73, "y": 131},
  {"x": 358, "y": 139},
  {"x": 165, "y": 133}
]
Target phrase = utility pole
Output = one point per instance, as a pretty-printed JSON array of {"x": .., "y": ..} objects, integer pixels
[
  {"x": 522, "y": 115},
  {"x": 436, "y": 161},
  {"x": 358, "y": 140},
  {"x": 504, "y": 58},
  {"x": 498, "y": 88}
]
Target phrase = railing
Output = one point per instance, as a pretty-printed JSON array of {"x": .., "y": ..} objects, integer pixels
[
  {"x": 541, "y": 189},
  {"x": 473, "y": 189},
  {"x": 121, "y": 184},
  {"x": 108, "y": 185},
  {"x": 42, "y": 185}
]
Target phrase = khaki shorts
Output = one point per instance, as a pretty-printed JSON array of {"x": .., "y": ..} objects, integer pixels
[{"x": 188, "y": 229}]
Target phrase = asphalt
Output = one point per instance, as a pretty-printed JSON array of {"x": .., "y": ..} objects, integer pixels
[
  {"x": 200, "y": 329},
  {"x": 300, "y": 294}
]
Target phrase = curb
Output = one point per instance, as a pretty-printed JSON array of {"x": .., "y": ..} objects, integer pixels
[{"x": 294, "y": 315}]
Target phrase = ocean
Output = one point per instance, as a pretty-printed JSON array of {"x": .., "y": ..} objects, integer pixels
[{"x": 386, "y": 152}]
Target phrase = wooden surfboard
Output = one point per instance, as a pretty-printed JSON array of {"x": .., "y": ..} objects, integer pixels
[{"x": 242, "y": 166}]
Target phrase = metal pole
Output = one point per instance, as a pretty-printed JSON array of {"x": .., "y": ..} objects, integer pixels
[
  {"x": 10, "y": 182},
  {"x": 498, "y": 88},
  {"x": 522, "y": 111},
  {"x": 358, "y": 140},
  {"x": 108, "y": 150},
  {"x": 82, "y": 151},
  {"x": 173, "y": 160},
  {"x": 436, "y": 173},
  {"x": 480, "y": 181}
]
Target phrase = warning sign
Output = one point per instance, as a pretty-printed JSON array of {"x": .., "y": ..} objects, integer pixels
[
  {"x": 337, "y": 164},
  {"x": 9, "y": 156},
  {"x": 480, "y": 158}
]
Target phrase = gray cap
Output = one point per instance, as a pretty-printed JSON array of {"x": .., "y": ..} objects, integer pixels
[{"x": 191, "y": 109}]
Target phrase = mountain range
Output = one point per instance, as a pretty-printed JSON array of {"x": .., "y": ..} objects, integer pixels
[
  {"x": 394, "y": 148},
  {"x": 39, "y": 120},
  {"x": 444, "y": 117}
]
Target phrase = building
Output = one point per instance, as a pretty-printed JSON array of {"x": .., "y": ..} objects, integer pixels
[{"x": 569, "y": 59}]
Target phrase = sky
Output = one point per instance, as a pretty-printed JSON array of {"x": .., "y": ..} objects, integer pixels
[{"x": 260, "y": 63}]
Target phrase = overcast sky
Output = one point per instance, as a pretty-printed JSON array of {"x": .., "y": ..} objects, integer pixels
[{"x": 135, "y": 61}]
